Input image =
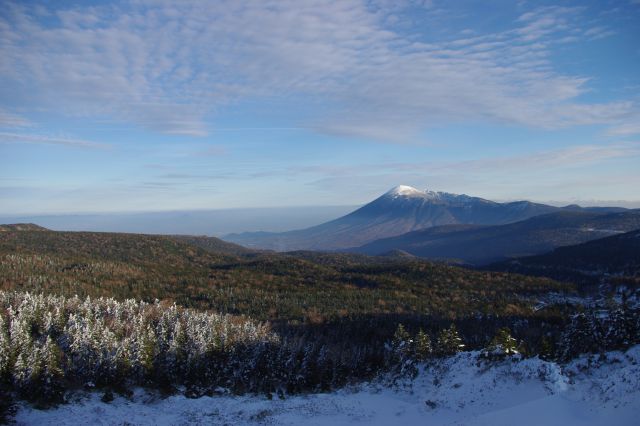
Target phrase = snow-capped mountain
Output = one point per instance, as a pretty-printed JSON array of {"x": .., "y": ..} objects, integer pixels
[
  {"x": 411, "y": 192},
  {"x": 400, "y": 210}
]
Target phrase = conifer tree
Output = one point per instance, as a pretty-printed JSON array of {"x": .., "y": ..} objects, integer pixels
[
  {"x": 4, "y": 351},
  {"x": 622, "y": 330},
  {"x": 449, "y": 341},
  {"x": 400, "y": 359},
  {"x": 401, "y": 340},
  {"x": 51, "y": 387},
  {"x": 423, "y": 348},
  {"x": 583, "y": 335},
  {"x": 547, "y": 349},
  {"x": 502, "y": 344},
  {"x": 20, "y": 373}
]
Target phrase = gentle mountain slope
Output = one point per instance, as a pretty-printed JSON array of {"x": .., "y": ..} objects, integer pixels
[
  {"x": 214, "y": 245},
  {"x": 401, "y": 210},
  {"x": 21, "y": 227},
  {"x": 298, "y": 287},
  {"x": 481, "y": 245},
  {"x": 107, "y": 246},
  {"x": 615, "y": 258}
]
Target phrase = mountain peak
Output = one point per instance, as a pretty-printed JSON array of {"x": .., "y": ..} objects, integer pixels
[
  {"x": 410, "y": 191},
  {"x": 405, "y": 190}
]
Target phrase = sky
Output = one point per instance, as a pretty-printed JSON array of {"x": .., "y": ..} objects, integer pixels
[{"x": 163, "y": 105}]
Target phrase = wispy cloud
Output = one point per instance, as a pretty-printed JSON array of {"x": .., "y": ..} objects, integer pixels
[
  {"x": 629, "y": 126},
  {"x": 533, "y": 174},
  {"x": 172, "y": 67},
  {"x": 48, "y": 140},
  {"x": 211, "y": 151},
  {"x": 539, "y": 161},
  {"x": 565, "y": 158},
  {"x": 8, "y": 119},
  {"x": 468, "y": 175}
]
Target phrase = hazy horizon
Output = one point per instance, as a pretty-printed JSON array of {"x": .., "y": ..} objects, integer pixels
[
  {"x": 219, "y": 222},
  {"x": 187, "y": 222},
  {"x": 630, "y": 204}
]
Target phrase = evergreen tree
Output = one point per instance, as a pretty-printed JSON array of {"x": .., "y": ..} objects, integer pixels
[
  {"x": 449, "y": 341},
  {"x": 622, "y": 330},
  {"x": 4, "y": 351},
  {"x": 423, "y": 348},
  {"x": 502, "y": 344},
  {"x": 583, "y": 335},
  {"x": 20, "y": 373},
  {"x": 402, "y": 341},
  {"x": 547, "y": 349},
  {"x": 50, "y": 381},
  {"x": 400, "y": 360}
]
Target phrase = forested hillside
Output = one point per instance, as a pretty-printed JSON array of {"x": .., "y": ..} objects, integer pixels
[
  {"x": 21, "y": 227},
  {"x": 614, "y": 259},
  {"x": 297, "y": 287},
  {"x": 481, "y": 245},
  {"x": 319, "y": 320}
]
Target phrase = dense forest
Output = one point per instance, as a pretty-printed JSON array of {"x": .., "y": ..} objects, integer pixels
[
  {"x": 614, "y": 260},
  {"x": 297, "y": 288},
  {"x": 116, "y": 310}
]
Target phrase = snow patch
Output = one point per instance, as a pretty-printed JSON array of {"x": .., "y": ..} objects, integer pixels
[
  {"x": 411, "y": 192},
  {"x": 404, "y": 190},
  {"x": 464, "y": 389}
]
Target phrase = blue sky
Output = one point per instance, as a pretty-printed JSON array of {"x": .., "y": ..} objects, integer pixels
[{"x": 165, "y": 105}]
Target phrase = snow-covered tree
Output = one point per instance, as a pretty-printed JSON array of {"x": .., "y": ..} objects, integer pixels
[
  {"x": 402, "y": 342},
  {"x": 423, "y": 349},
  {"x": 399, "y": 356},
  {"x": 583, "y": 335},
  {"x": 5, "y": 348},
  {"x": 502, "y": 345},
  {"x": 46, "y": 342},
  {"x": 449, "y": 341},
  {"x": 49, "y": 382},
  {"x": 547, "y": 349},
  {"x": 621, "y": 330}
]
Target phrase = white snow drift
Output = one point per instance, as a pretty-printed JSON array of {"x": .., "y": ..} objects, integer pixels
[{"x": 461, "y": 390}]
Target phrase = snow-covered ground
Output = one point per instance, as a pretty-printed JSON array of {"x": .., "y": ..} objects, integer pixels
[{"x": 462, "y": 390}]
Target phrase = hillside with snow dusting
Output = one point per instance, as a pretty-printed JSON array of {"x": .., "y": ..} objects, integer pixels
[{"x": 461, "y": 390}]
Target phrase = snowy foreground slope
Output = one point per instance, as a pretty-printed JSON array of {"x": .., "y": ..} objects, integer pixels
[{"x": 461, "y": 390}]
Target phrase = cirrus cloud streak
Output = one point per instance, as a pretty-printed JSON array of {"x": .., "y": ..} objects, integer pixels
[{"x": 174, "y": 67}]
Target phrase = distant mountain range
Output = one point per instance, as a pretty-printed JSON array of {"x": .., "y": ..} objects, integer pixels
[
  {"x": 477, "y": 245},
  {"x": 401, "y": 210}
]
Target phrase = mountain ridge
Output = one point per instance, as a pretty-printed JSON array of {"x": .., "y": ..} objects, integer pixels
[
  {"x": 614, "y": 258},
  {"x": 9, "y": 227},
  {"x": 479, "y": 245},
  {"x": 398, "y": 211}
]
